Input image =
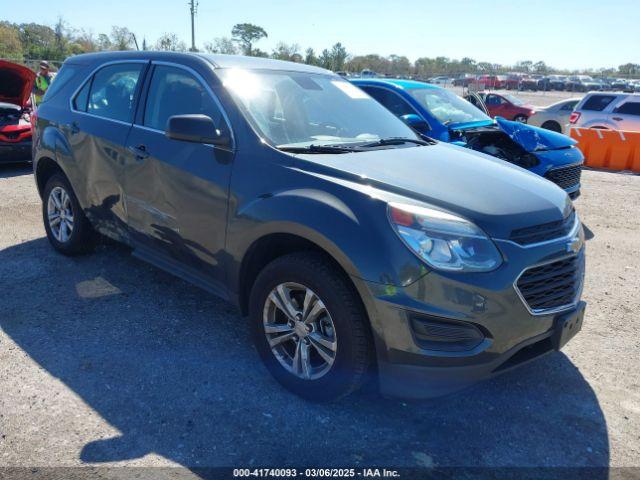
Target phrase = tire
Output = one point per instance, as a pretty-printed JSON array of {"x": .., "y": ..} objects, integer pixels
[
  {"x": 553, "y": 126},
  {"x": 78, "y": 236},
  {"x": 349, "y": 330},
  {"x": 520, "y": 118}
]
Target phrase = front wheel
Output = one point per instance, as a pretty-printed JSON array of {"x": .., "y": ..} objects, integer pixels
[
  {"x": 309, "y": 327},
  {"x": 67, "y": 228}
]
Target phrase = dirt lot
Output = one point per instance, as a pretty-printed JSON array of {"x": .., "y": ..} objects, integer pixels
[{"x": 107, "y": 361}]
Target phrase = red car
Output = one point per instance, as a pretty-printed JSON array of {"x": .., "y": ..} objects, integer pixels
[
  {"x": 16, "y": 84},
  {"x": 507, "y": 106},
  {"x": 487, "y": 81}
]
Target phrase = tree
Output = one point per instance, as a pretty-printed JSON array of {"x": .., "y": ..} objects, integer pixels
[
  {"x": 310, "y": 57},
  {"x": 540, "y": 67},
  {"x": 10, "y": 46},
  {"x": 86, "y": 40},
  {"x": 223, "y": 45},
  {"x": 121, "y": 38},
  {"x": 246, "y": 34},
  {"x": 38, "y": 41},
  {"x": 104, "y": 42},
  {"x": 284, "y": 51},
  {"x": 338, "y": 57},
  {"x": 399, "y": 65},
  {"x": 171, "y": 43}
]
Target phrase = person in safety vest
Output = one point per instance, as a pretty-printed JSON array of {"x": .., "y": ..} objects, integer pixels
[{"x": 43, "y": 80}]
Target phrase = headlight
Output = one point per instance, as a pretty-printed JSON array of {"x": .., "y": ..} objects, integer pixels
[{"x": 443, "y": 240}]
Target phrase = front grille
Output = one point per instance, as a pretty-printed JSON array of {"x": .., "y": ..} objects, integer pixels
[
  {"x": 551, "y": 285},
  {"x": 565, "y": 177},
  {"x": 544, "y": 232}
]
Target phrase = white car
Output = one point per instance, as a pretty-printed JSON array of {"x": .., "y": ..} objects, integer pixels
[
  {"x": 554, "y": 117},
  {"x": 441, "y": 80},
  {"x": 611, "y": 111}
]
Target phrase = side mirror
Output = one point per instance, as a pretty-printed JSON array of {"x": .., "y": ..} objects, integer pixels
[
  {"x": 196, "y": 129},
  {"x": 416, "y": 122}
]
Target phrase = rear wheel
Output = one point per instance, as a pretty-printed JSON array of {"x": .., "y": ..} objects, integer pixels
[
  {"x": 67, "y": 228},
  {"x": 553, "y": 126},
  {"x": 309, "y": 327},
  {"x": 520, "y": 118}
]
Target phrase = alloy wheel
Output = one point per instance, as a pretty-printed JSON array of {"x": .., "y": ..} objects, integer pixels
[
  {"x": 300, "y": 331},
  {"x": 60, "y": 214}
]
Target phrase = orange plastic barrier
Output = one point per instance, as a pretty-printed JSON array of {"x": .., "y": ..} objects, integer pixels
[{"x": 609, "y": 149}]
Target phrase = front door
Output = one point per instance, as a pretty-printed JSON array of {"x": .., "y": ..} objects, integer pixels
[{"x": 176, "y": 192}]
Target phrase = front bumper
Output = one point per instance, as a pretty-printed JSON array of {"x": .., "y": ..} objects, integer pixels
[
  {"x": 486, "y": 302},
  {"x": 15, "y": 152}
]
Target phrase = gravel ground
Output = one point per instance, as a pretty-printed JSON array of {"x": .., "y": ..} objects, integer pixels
[{"x": 107, "y": 361}]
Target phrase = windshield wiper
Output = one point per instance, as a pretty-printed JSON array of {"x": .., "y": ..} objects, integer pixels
[
  {"x": 397, "y": 141},
  {"x": 318, "y": 149}
]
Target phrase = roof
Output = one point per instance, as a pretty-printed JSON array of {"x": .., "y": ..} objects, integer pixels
[
  {"x": 218, "y": 61},
  {"x": 396, "y": 82}
]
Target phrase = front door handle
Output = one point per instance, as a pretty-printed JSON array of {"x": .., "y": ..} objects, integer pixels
[
  {"x": 617, "y": 119},
  {"x": 140, "y": 152}
]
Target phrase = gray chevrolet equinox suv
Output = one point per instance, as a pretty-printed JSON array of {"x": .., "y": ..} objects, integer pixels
[{"x": 354, "y": 247}]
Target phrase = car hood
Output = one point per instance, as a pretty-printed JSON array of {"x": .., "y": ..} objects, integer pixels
[
  {"x": 496, "y": 195},
  {"x": 534, "y": 139},
  {"x": 16, "y": 83}
]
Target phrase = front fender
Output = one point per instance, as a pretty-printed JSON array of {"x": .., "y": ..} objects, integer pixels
[{"x": 351, "y": 228}]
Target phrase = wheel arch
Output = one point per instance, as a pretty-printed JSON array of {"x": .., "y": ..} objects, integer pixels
[
  {"x": 274, "y": 245},
  {"x": 45, "y": 168}
]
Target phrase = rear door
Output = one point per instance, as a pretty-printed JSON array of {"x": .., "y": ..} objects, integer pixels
[
  {"x": 176, "y": 192},
  {"x": 102, "y": 114},
  {"x": 626, "y": 115}
]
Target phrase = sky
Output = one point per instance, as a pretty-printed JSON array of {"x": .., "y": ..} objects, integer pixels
[{"x": 570, "y": 34}]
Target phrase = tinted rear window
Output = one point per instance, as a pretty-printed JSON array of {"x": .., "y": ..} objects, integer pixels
[
  {"x": 629, "y": 108},
  {"x": 597, "y": 103},
  {"x": 66, "y": 73}
]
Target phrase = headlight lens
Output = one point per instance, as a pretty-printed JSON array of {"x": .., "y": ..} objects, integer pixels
[{"x": 443, "y": 240}]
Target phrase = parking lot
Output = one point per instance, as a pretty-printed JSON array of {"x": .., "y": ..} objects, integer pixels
[{"x": 105, "y": 360}]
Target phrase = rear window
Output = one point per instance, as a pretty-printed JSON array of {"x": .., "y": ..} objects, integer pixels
[
  {"x": 598, "y": 103},
  {"x": 629, "y": 108},
  {"x": 66, "y": 73}
]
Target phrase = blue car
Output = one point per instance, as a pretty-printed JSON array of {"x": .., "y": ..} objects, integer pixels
[{"x": 440, "y": 114}]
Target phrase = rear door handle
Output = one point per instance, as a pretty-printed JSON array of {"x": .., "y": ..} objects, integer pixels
[
  {"x": 618, "y": 119},
  {"x": 140, "y": 152}
]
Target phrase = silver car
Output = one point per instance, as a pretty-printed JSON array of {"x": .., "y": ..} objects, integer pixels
[
  {"x": 612, "y": 111},
  {"x": 554, "y": 117}
]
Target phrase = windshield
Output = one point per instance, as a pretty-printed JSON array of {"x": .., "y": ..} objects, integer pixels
[
  {"x": 302, "y": 109},
  {"x": 447, "y": 107}
]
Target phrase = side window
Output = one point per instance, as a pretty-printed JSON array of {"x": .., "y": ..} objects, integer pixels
[
  {"x": 82, "y": 98},
  {"x": 493, "y": 100},
  {"x": 112, "y": 91},
  {"x": 598, "y": 103},
  {"x": 174, "y": 91},
  {"x": 629, "y": 108},
  {"x": 392, "y": 101}
]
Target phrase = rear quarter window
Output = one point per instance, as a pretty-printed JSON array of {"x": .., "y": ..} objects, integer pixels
[
  {"x": 62, "y": 78},
  {"x": 597, "y": 103},
  {"x": 629, "y": 108}
]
